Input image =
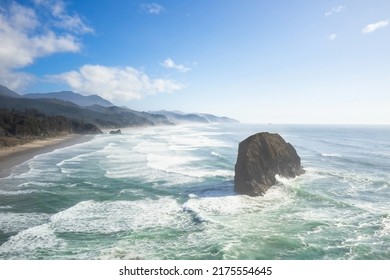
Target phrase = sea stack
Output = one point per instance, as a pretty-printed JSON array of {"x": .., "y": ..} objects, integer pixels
[
  {"x": 261, "y": 157},
  {"x": 115, "y": 131}
]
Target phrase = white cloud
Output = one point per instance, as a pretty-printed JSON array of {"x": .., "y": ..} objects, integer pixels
[
  {"x": 15, "y": 80},
  {"x": 374, "y": 26},
  {"x": 332, "y": 37},
  {"x": 62, "y": 19},
  {"x": 153, "y": 8},
  {"x": 25, "y": 37},
  {"x": 169, "y": 63},
  {"x": 115, "y": 83},
  {"x": 335, "y": 10}
]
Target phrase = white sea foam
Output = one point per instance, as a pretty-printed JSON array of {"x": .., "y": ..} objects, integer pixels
[
  {"x": 41, "y": 165},
  {"x": 147, "y": 147},
  {"x": 17, "y": 192},
  {"x": 328, "y": 215},
  {"x": 77, "y": 159},
  {"x": 207, "y": 207},
  {"x": 184, "y": 165},
  {"x": 214, "y": 204},
  {"x": 124, "y": 160},
  {"x": 331, "y": 155},
  {"x": 385, "y": 230},
  {"x": 208, "y": 173},
  {"x": 160, "y": 158},
  {"x": 216, "y": 155},
  {"x": 189, "y": 142},
  {"x": 169, "y": 153},
  {"x": 137, "y": 192},
  {"x": 26, "y": 242},
  {"x": 117, "y": 216},
  {"x": 35, "y": 184},
  {"x": 167, "y": 163},
  {"x": 125, "y": 172},
  {"x": 31, "y": 171},
  {"x": 285, "y": 181},
  {"x": 122, "y": 252},
  {"x": 15, "y": 222}
]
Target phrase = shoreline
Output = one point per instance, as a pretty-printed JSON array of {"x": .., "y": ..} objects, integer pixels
[{"x": 13, "y": 156}]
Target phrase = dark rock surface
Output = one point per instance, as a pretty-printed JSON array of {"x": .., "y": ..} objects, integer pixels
[
  {"x": 261, "y": 157},
  {"x": 116, "y": 131}
]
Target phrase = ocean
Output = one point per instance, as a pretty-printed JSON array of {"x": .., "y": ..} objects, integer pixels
[{"x": 168, "y": 193}]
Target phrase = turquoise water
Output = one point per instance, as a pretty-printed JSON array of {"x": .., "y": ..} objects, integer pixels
[{"x": 167, "y": 193}]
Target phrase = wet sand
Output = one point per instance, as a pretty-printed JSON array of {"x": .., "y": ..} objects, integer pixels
[{"x": 12, "y": 156}]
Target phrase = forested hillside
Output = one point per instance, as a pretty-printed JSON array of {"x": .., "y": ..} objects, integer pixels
[{"x": 17, "y": 127}]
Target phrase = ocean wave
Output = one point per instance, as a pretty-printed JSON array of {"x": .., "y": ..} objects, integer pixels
[
  {"x": 77, "y": 159},
  {"x": 185, "y": 165},
  {"x": 118, "y": 216},
  {"x": 331, "y": 155},
  {"x": 17, "y": 192},
  {"x": 215, "y": 154},
  {"x": 168, "y": 162},
  {"x": 194, "y": 141},
  {"x": 211, "y": 204},
  {"x": 15, "y": 222},
  {"x": 27, "y": 242},
  {"x": 208, "y": 207},
  {"x": 287, "y": 181},
  {"x": 385, "y": 227},
  {"x": 174, "y": 185}
]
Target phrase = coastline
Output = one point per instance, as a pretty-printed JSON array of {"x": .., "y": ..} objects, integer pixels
[{"x": 12, "y": 156}]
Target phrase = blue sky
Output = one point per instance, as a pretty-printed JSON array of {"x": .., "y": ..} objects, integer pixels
[{"x": 258, "y": 61}]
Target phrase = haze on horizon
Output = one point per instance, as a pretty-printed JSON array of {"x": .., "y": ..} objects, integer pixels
[{"x": 255, "y": 61}]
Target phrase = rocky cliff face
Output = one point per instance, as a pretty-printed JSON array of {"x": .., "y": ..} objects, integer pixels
[{"x": 261, "y": 157}]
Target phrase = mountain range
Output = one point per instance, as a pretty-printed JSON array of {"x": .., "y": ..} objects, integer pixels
[
  {"x": 75, "y": 98},
  {"x": 96, "y": 110},
  {"x": 4, "y": 91},
  {"x": 178, "y": 117}
]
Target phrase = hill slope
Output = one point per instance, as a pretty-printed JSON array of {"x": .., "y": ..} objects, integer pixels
[
  {"x": 4, "y": 91},
  {"x": 180, "y": 117},
  {"x": 73, "y": 97},
  {"x": 103, "y": 117},
  {"x": 22, "y": 127}
]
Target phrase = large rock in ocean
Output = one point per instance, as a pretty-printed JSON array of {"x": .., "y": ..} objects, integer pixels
[
  {"x": 261, "y": 157},
  {"x": 118, "y": 131}
]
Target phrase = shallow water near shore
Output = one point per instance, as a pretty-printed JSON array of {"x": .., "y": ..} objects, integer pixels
[{"x": 168, "y": 193}]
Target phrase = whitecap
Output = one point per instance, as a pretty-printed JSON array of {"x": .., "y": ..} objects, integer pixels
[
  {"x": 331, "y": 155},
  {"x": 284, "y": 180},
  {"x": 15, "y": 222},
  {"x": 17, "y": 192},
  {"x": 193, "y": 141},
  {"x": 77, "y": 159},
  {"x": 385, "y": 230},
  {"x": 117, "y": 216},
  {"x": 35, "y": 184},
  {"x": 27, "y": 241},
  {"x": 215, "y": 154},
  {"x": 181, "y": 165},
  {"x": 147, "y": 147},
  {"x": 167, "y": 163},
  {"x": 213, "y": 207}
]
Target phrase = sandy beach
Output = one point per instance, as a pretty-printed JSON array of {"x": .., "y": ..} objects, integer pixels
[{"x": 12, "y": 156}]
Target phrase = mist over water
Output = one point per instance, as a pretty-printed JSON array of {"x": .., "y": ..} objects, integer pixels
[{"x": 168, "y": 193}]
